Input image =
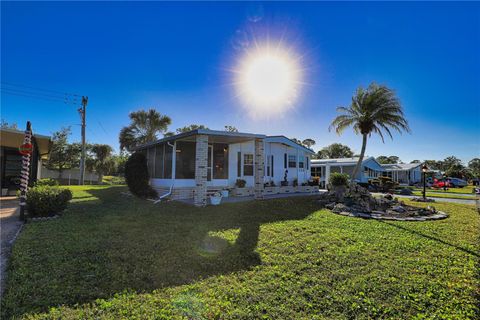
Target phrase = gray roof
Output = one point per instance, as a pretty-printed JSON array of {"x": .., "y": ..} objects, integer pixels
[
  {"x": 400, "y": 166},
  {"x": 277, "y": 139},
  {"x": 205, "y": 132},
  {"x": 288, "y": 142}
]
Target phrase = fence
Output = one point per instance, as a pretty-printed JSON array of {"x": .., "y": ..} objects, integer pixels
[{"x": 69, "y": 177}]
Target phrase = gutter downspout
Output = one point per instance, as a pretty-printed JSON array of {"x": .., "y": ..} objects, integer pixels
[{"x": 174, "y": 153}]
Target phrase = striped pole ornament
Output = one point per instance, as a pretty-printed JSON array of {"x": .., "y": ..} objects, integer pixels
[{"x": 24, "y": 177}]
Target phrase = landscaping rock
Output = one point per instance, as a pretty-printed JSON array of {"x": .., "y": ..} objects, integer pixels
[
  {"x": 399, "y": 209},
  {"x": 340, "y": 207},
  {"x": 357, "y": 201},
  {"x": 406, "y": 192}
]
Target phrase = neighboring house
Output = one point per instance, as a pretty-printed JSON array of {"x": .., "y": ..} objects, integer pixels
[
  {"x": 199, "y": 161},
  {"x": 11, "y": 159},
  {"x": 323, "y": 168},
  {"x": 404, "y": 173}
]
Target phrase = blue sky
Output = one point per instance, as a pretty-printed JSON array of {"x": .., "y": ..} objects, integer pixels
[{"x": 176, "y": 57}]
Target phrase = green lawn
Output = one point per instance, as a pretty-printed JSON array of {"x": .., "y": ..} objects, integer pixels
[
  {"x": 112, "y": 257},
  {"x": 445, "y": 195},
  {"x": 466, "y": 190}
]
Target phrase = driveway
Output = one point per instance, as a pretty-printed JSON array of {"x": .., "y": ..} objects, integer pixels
[{"x": 10, "y": 225}]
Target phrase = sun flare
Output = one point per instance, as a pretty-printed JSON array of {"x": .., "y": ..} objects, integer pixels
[{"x": 268, "y": 81}]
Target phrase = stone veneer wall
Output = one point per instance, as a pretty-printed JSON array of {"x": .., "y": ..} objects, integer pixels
[
  {"x": 201, "y": 159},
  {"x": 259, "y": 173}
]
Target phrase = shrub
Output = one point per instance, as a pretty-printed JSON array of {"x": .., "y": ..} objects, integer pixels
[
  {"x": 338, "y": 179},
  {"x": 43, "y": 201},
  {"x": 240, "y": 183},
  {"x": 295, "y": 182},
  {"x": 113, "y": 180},
  {"x": 137, "y": 177},
  {"x": 46, "y": 182}
]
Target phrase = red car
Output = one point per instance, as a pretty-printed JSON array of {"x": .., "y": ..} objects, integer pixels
[{"x": 440, "y": 183}]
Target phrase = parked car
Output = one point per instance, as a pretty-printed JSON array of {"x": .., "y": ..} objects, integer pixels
[
  {"x": 451, "y": 183},
  {"x": 457, "y": 183}
]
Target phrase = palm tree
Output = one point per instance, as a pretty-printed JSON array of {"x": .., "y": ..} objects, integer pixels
[
  {"x": 102, "y": 161},
  {"x": 144, "y": 127},
  {"x": 374, "y": 110}
]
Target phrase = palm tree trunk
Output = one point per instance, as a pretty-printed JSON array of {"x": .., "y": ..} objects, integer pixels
[{"x": 360, "y": 160}]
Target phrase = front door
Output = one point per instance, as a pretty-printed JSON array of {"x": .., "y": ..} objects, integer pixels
[{"x": 210, "y": 163}]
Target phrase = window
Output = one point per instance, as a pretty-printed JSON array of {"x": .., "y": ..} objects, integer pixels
[
  {"x": 301, "y": 162},
  {"x": 285, "y": 161},
  {"x": 239, "y": 164},
  {"x": 292, "y": 161},
  {"x": 185, "y": 160},
  {"x": 220, "y": 161},
  {"x": 316, "y": 171},
  {"x": 248, "y": 164}
]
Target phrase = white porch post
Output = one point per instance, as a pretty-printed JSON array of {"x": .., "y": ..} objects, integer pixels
[
  {"x": 327, "y": 174},
  {"x": 174, "y": 159}
]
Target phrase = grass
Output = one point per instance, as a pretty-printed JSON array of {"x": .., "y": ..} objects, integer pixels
[
  {"x": 445, "y": 195},
  {"x": 111, "y": 257},
  {"x": 465, "y": 190}
]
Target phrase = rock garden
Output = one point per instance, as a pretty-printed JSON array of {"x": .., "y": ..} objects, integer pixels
[{"x": 351, "y": 199}]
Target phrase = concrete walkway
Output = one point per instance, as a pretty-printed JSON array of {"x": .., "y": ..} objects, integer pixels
[{"x": 10, "y": 226}]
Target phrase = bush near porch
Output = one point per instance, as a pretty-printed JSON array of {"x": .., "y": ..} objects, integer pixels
[{"x": 116, "y": 257}]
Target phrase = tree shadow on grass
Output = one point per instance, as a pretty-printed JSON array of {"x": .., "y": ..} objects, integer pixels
[
  {"x": 116, "y": 243},
  {"x": 415, "y": 232},
  {"x": 441, "y": 241}
]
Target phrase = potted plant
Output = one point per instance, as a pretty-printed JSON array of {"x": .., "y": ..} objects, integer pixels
[
  {"x": 224, "y": 193},
  {"x": 216, "y": 198}
]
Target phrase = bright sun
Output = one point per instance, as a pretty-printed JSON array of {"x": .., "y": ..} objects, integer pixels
[{"x": 268, "y": 81}]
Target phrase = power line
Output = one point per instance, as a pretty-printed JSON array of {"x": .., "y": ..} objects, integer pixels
[
  {"x": 62, "y": 97},
  {"x": 37, "y": 89},
  {"x": 35, "y": 97}
]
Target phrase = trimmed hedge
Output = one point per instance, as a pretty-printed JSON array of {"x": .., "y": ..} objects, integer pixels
[
  {"x": 137, "y": 177},
  {"x": 46, "y": 182},
  {"x": 44, "y": 201},
  {"x": 338, "y": 179}
]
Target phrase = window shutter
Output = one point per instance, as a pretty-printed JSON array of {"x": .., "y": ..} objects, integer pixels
[
  {"x": 272, "y": 166},
  {"x": 285, "y": 161},
  {"x": 239, "y": 164}
]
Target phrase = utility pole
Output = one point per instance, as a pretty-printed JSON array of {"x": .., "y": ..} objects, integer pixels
[{"x": 82, "y": 112}]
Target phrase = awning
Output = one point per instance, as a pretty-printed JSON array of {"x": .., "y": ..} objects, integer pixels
[{"x": 14, "y": 138}]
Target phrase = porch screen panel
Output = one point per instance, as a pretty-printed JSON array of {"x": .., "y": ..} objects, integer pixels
[
  {"x": 220, "y": 161},
  {"x": 151, "y": 162},
  {"x": 159, "y": 149},
  {"x": 185, "y": 160},
  {"x": 167, "y": 162}
]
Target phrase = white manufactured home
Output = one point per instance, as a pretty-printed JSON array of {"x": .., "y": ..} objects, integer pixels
[
  {"x": 195, "y": 163},
  {"x": 404, "y": 174}
]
